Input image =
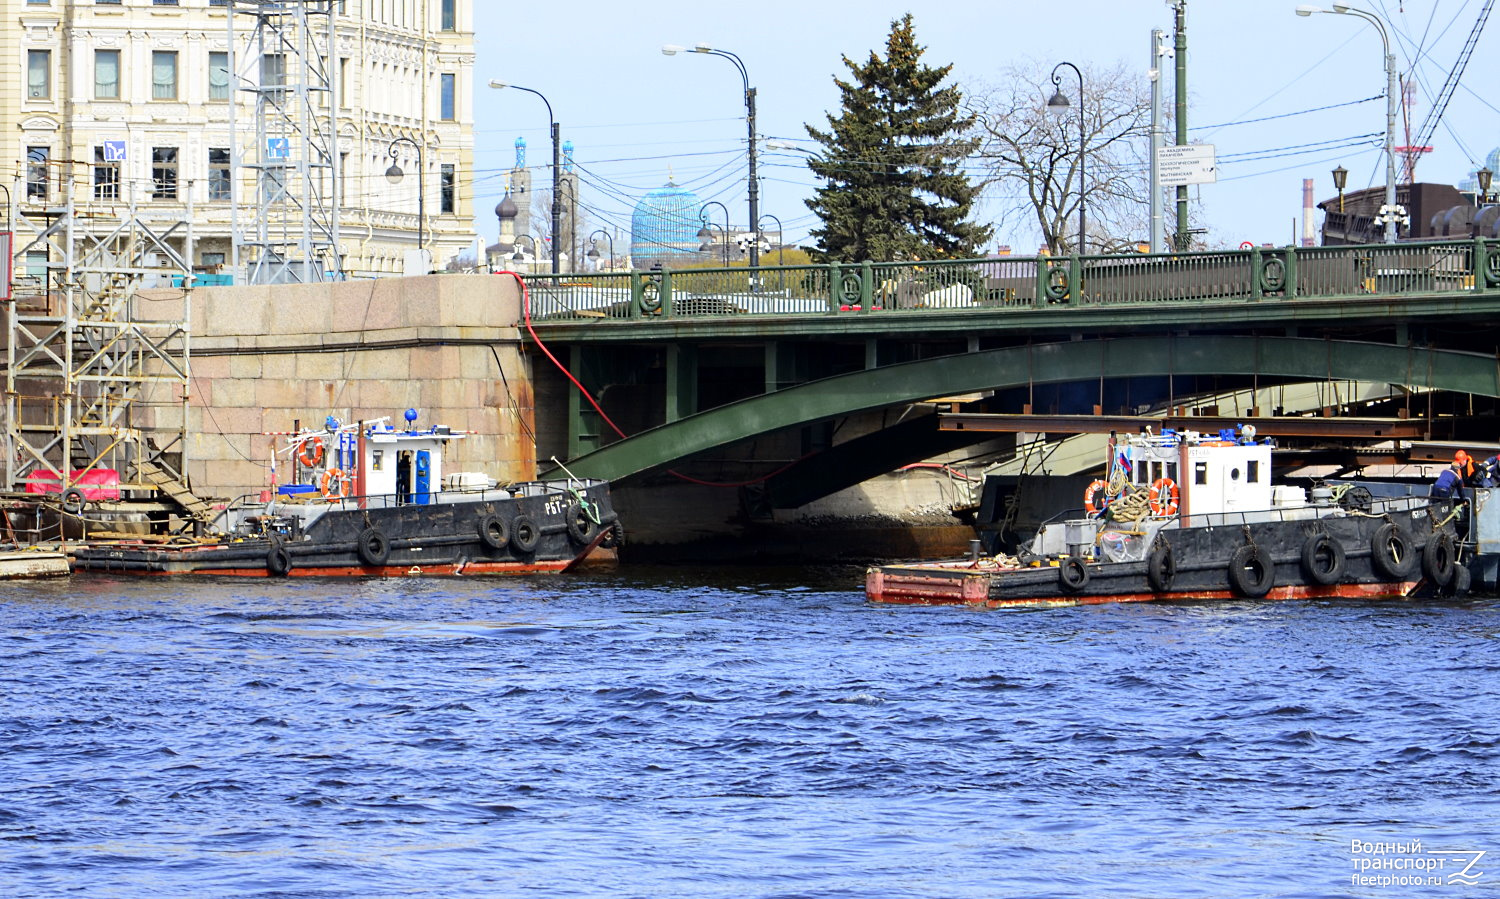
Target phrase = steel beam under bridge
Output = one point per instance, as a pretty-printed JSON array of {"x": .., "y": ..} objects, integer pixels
[{"x": 1290, "y": 358}]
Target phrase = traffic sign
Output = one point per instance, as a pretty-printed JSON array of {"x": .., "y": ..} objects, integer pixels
[
  {"x": 1187, "y": 164},
  {"x": 114, "y": 150}
]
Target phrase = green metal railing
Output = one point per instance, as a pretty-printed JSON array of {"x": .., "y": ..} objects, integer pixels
[{"x": 879, "y": 288}]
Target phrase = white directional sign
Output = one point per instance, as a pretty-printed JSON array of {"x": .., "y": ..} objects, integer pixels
[{"x": 1187, "y": 164}]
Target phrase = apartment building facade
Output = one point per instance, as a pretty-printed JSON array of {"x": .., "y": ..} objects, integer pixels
[{"x": 144, "y": 106}]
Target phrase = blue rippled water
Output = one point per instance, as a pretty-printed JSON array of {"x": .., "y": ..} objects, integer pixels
[{"x": 710, "y": 733}]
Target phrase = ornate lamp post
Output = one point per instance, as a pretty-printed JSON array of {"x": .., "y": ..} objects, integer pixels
[
  {"x": 1340, "y": 178},
  {"x": 754, "y": 184},
  {"x": 1485, "y": 177},
  {"x": 780, "y": 237},
  {"x": 1059, "y": 104},
  {"x": 705, "y": 235},
  {"x": 518, "y": 256},
  {"x": 594, "y": 246},
  {"x": 394, "y": 175},
  {"x": 556, "y": 169}
]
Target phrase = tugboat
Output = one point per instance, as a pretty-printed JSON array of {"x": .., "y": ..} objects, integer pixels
[
  {"x": 368, "y": 499},
  {"x": 1192, "y": 516}
]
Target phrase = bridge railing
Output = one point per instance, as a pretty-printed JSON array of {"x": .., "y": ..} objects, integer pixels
[{"x": 1021, "y": 283}]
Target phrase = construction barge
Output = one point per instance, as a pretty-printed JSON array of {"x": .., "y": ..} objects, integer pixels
[{"x": 1189, "y": 516}]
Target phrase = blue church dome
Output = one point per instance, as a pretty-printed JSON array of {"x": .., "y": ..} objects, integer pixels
[{"x": 664, "y": 227}]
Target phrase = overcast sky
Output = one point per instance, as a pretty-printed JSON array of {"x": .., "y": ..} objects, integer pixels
[{"x": 635, "y": 116}]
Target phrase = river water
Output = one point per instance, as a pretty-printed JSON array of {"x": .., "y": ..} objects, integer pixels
[{"x": 729, "y": 733}]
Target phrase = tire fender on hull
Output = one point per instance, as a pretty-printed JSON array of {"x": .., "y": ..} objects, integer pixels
[
  {"x": 1072, "y": 574},
  {"x": 279, "y": 561},
  {"x": 494, "y": 532},
  {"x": 374, "y": 547},
  {"x": 1251, "y": 572},
  {"x": 524, "y": 534},
  {"x": 1324, "y": 560},
  {"x": 581, "y": 526},
  {"x": 1439, "y": 560},
  {"x": 1161, "y": 567},
  {"x": 1391, "y": 552}
]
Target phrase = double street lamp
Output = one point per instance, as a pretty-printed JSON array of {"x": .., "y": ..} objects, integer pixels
[
  {"x": 556, "y": 170},
  {"x": 394, "y": 175},
  {"x": 1388, "y": 212},
  {"x": 1059, "y": 104},
  {"x": 754, "y": 185}
]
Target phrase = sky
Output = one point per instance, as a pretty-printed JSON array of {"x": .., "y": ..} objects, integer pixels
[{"x": 1281, "y": 97}]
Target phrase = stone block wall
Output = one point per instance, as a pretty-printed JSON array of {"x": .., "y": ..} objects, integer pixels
[{"x": 266, "y": 358}]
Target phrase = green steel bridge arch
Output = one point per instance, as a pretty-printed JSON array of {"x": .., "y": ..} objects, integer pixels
[{"x": 1271, "y": 357}]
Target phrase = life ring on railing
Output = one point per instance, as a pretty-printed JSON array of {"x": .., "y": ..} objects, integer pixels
[
  {"x": 312, "y": 452},
  {"x": 1492, "y": 266},
  {"x": 1247, "y": 245},
  {"x": 334, "y": 485},
  {"x": 1163, "y": 497},
  {"x": 1096, "y": 488}
]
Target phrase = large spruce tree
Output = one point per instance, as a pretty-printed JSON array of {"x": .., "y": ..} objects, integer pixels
[{"x": 894, "y": 187}]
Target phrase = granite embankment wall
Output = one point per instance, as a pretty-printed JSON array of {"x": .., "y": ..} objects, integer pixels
[{"x": 264, "y": 358}]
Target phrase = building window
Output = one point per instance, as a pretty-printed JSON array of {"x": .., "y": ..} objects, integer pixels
[
  {"x": 106, "y": 74},
  {"x": 218, "y": 75},
  {"x": 211, "y": 260},
  {"x": 106, "y": 2},
  {"x": 448, "y": 22},
  {"x": 218, "y": 174},
  {"x": 163, "y": 2},
  {"x": 272, "y": 70},
  {"x": 344, "y": 82},
  {"x": 163, "y": 74},
  {"x": 39, "y": 74},
  {"x": 446, "y": 102},
  {"x": 163, "y": 173},
  {"x": 36, "y": 173},
  {"x": 106, "y": 177},
  {"x": 447, "y": 189}
]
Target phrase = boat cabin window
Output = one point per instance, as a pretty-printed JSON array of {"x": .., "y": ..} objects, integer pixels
[
  {"x": 1252, "y": 471},
  {"x": 1142, "y": 472},
  {"x": 1200, "y": 473},
  {"x": 1172, "y": 471},
  {"x": 376, "y": 457}
]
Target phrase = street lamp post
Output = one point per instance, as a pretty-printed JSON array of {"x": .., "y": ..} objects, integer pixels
[
  {"x": 780, "y": 237},
  {"x": 1059, "y": 104},
  {"x": 1485, "y": 178},
  {"x": 705, "y": 235},
  {"x": 518, "y": 256},
  {"x": 594, "y": 246},
  {"x": 1389, "y": 212},
  {"x": 556, "y": 169},
  {"x": 1340, "y": 178},
  {"x": 754, "y": 185},
  {"x": 394, "y": 175}
]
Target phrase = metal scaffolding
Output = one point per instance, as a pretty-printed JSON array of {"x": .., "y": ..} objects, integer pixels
[
  {"x": 97, "y": 360},
  {"x": 285, "y": 64}
]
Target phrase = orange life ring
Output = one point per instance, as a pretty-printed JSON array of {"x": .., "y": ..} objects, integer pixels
[
  {"x": 312, "y": 452},
  {"x": 1088, "y": 496},
  {"x": 1163, "y": 497},
  {"x": 334, "y": 485}
]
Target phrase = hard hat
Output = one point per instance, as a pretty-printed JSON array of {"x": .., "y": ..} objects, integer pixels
[{"x": 1460, "y": 457}]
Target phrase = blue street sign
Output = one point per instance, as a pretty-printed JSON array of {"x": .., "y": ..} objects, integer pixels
[
  {"x": 114, "y": 151},
  {"x": 278, "y": 148}
]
